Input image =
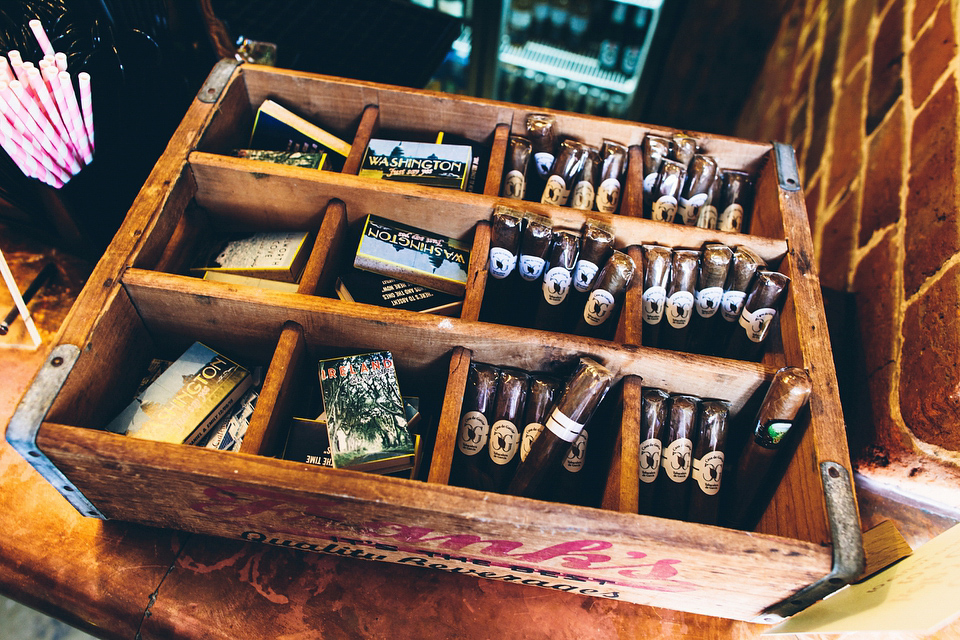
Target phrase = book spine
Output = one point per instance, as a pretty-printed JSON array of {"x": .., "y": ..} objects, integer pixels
[{"x": 218, "y": 414}]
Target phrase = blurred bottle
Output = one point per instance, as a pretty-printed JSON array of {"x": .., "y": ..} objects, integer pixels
[
  {"x": 541, "y": 20},
  {"x": 520, "y": 21},
  {"x": 559, "y": 21},
  {"x": 618, "y": 105},
  {"x": 510, "y": 81},
  {"x": 578, "y": 25},
  {"x": 609, "y": 58},
  {"x": 636, "y": 34}
]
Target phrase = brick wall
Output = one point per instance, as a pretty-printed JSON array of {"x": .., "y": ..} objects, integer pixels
[{"x": 867, "y": 92}]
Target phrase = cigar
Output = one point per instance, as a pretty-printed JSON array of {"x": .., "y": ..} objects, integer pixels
[
  {"x": 557, "y": 280},
  {"x": 596, "y": 245},
  {"x": 504, "y": 442},
  {"x": 657, "y": 264},
  {"x": 743, "y": 267},
  {"x": 667, "y": 190},
  {"x": 519, "y": 150},
  {"x": 734, "y": 200},
  {"x": 680, "y": 299},
  {"x": 540, "y": 397},
  {"x": 534, "y": 247},
  {"x": 38, "y": 282},
  {"x": 541, "y": 131},
  {"x": 682, "y": 149},
  {"x": 585, "y": 184},
  {"x": 584, "y": 391},
  {"x": 599, "y": 316},
  {"x": 708, "y": 457},
  {"x": 476, "y": 415},
  {"x": 707, "y": 214},
  {"x": 701, "y": 175},
  {"x": 614, "y": 157},
  {"x": 653, "y": 424},
  {"x": 714, "y": 264},
  {"x": 500, "y": 288},
  {"x": 654, "y": 149},
  {"x": 570, "y": 158},
  {"x": 760, "y": 309},
  {"x": 672, "y": 487},
  {"x": 750, "y": 487}
]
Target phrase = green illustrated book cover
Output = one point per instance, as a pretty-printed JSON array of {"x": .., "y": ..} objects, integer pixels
[
  {"x": 187, "y": 400},
  {"x": 372, "y": 288},
  {"x": 426, "y": 163},
  {"x": 413, "y": 255},
  {"x": 272, "y": 255},
  {"x": 277, "y": 128},
  {"x": 292, "y": 158},
  {"x": 365, "y": 414}
]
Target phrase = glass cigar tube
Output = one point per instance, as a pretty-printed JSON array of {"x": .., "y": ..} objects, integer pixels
[
  {"x": 707, "y": 213},
  {"x": 653, "y": 150},
  {"x": 714, "y": 264},
  {"x": 700, "y": 176},
  {"x": 599, "y": 316},
  {"x": 557, "y": 280},
  {"x": 595, "y": 246},
  {"x": 667, "y": 190},
  {"x": 614, "y": 163},
  {"x": 735, "y": 198},
  {"x": 585, "y": 183},
  {"x": 657, "y": 264},
  {"x": 505, "y": 231},
  {"x": 570, "y": 158},
  {"x": 476, "y": 416},
  {"x": 743, "y": 267},
  {"x": 540, "y": 397},
  {"x": 519, "y": 150},
  {"x": 581, "y": 396},
  {"x": 682, "y": 149},
  {"x": 503, "y": 445},
  {"x": 760, "y": 309},
  {"x": 672, "y": 486},
  {"x": 708, "y": 458},
  {"x": 541, "y": 131},
  {"x": 534, "y": 247},
  {"x": 751, "y": 485},
  {"x": 680, "y": 299},
  {"x": 654, "y": 424}
]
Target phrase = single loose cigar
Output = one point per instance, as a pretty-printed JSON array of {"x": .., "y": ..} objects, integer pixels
[
  {"x": 519, "y": 150},
  {"x": 701, "y": 175},
  {"x": 653, "y": 423},
  {"x": 682, "y": 149},
  {"x": 581, "y": 396},
  {"x": 672, "y": 485},
  {"x": 542, "y": 133},
  {"x": 504, "y": 442},
  {"x": 680, "y": 299},
  {"x": 599, "y": 316},
  {"x": 657, "y": 264},
  {"x": 750, "y": 486},
  {"x": 654, "y": 149},
  {"x": 476, "y": 415},
  {"x": 760, "y": 309},
  {"x": 570, "y": 158},
  {"x": 708, "y": 458},
  {"x": 557, "y": 280},
  {"x": 734, "y": 200},
  {"x": 585, "y": 184},
  {"x": 540, "y": 399},
  {"x": 714, "y": 264},
  {"x": 667, "y": 190},
  {"x": 614, "y": 157},
  {"x": 707, "y": 214}
]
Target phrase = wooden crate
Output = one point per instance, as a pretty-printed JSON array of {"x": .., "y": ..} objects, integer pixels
[{"x": 137, "y": 306}]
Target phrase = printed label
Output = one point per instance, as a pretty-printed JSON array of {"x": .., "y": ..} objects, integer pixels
[
  {"x": 473, "y": 434},
  {"x": 654, "y": 300},
  {"x": 502, "y": 262},
  {"x": 732, "y": 305},
  {"x": 556, "y": 284},
  {"x": 598, "y": 308},
  {"x": 664, "y": 209},
  {"x": 504, "y": 441},
  {"x": 530, "y": 433},
  {"x": 531, "y": 267},
  {"x": 544, "y": 161},
  {"x": 731, "y": 219},
  {"x": 679, "y": 309},
  {"x": 583, "y": 195},
  {"x": 555, "y": 192},
  {"x": 563, "y": 427},
  {"x": 709, "y": 301},
  {"x": 707, "y": 217},
  {"x": 676, "y": 459},
  {"x": 689, "y": 210},
  {"x": 707, "y": 471},
  {"x": 577, "y": 453},
  {"x": 514, "y": 185},
  {"x": 776, "y": 429},
  {"x": 583, "y": 275},
  {"x": 757, "y": 324},
  {"x": 650, "y": 452},
  {"x": 649, "y": 181},
  {"x": 608, "y": 195}
]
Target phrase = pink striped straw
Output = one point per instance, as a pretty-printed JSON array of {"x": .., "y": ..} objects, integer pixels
[
  {"x": 37, "y": 27},
  {"x": 46, "y": 100},
  {"x": 5, "y": 72},
  {"x": 20, "y": 102},
  {"x": 16, "y": 63},
  {"x": 86, "y": 105},
  {"x": 35, "y": 156},
  {"x": 58, "y": 94},
  {"x": 60, "y": 59},
  {"x": 76, "y": 120}
]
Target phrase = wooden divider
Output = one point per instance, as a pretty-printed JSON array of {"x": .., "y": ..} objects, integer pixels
[
  {"x": 449, "y": 423},
  {"x": 369, "y": 124},
  {"x": 320, "y": 270}
]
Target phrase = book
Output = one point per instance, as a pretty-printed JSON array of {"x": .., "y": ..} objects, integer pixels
[
  {"x": 365, "y": 412},
  {"x": 229, "y": 432},
  {"x": 272, "y": 255},
  {"x": 413, "y": 255},
  {"x": 367, "y": 287},
  {"x": 187, "y": 400},
  {"x": 307, "y": 442},
  {"x": 276, "y": 128},
  {"x": 426, "y": 163},
  {"x": 292, "y": 158},
  {"x": 250, "y": 281}
]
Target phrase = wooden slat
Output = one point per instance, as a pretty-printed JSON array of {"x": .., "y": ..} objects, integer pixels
[
  {"x": 272, "y": 413},
  {"x": 477, "y": 272},
  {"x": 449, "y": 425},
  {"x": 498, "y": 156},
  {"x": 369, "y": 123},
  {"x": 631, "y": 203},
  {"x": 630, "y": 327},
  {"x": 329, "y": 244},
  {"x": 622, "y": 492}
]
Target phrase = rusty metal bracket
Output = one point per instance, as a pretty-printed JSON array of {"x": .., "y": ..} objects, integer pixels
[
  {"x": 788, "y": 175},
  {"x": 31, "y": 412},
  {"x": 214, "y": 84},
  {"x": 849, "y": 558}
]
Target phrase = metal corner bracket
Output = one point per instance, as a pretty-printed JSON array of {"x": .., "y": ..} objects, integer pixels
[
  {"x": 217, "y": 79},
  {"x": 31, "y": 412},
  {"x": 849, "y": 559},
  {"x": 788, "y": 175}
]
